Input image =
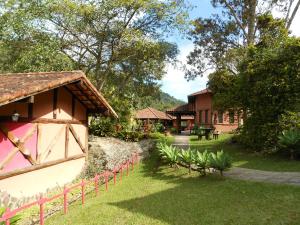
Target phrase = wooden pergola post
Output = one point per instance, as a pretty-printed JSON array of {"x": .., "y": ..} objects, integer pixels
[{"x": 178, "y": 120}]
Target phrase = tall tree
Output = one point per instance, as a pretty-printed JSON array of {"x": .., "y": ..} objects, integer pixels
[
  {"x": 118, "y": 43},
  {"x": 217, "y": 39}
]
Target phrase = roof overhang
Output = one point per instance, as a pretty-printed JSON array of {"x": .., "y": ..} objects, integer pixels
[{"x": 17, "y": 86}]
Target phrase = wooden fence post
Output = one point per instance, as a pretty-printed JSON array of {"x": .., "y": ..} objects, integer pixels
[
  {"x": 121, "y": 172},
  {"x": 132, "y": 162},
  {"x": 127, "y": 167},
  {"x": 82, "y": 191},
  {"x": 106, "y": 180},
  {"x": 96, "y": 180},
  {"x": 115, "y": 176},
  {"x": 41, "y": 203},
  {"x": 7, "y": 212},
  {"x": 65, "y": 199}
]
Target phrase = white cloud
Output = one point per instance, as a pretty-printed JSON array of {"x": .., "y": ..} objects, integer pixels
[{"x": 174, "y": 82}]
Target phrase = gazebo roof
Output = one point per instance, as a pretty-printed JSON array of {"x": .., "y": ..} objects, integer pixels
[{"x": 151, "y": 113}]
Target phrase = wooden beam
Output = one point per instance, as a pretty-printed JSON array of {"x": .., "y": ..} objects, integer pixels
[
  {"x": 30, "y": 110},
  {"x": 55, "y": 95},
  {"x": 13, "y": 152},
  {"x": 42, "y": 120},
  {"x": 77, "y": 139},
  {"x": 39, "y": 142},
  {"x": 78, "y": 85},
  {"x": 29, "y": 99},
  {"x": 40, "y": 166},
  {"x": 73, "y": 106},
  {"x": 67, "y": 141},
  {"x": 70, "y": 91},
  {"x": 20, "y": 143}
]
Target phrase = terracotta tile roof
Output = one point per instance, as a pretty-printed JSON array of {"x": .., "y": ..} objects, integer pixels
[
  {"x": 151, "y": 113},
  {"x": 204, "y": 91},
  {"x": 16, "y": 86},
  {"x": 182, "y": 108}
]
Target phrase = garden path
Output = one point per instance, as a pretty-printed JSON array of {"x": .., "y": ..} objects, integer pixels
[
  {"x": 182, "y": 141},
  {"x": 264, "y": 176}
]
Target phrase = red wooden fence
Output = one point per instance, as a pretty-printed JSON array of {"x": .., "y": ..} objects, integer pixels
[{"x": 43, "y": 200}]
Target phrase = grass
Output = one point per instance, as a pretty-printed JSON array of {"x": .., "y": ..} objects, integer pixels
[
  {"x": 157, "y": 194},
  {"x": 245, "y": 158}
]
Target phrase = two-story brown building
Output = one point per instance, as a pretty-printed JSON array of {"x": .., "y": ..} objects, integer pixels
[{"x": 200, "y": 105}]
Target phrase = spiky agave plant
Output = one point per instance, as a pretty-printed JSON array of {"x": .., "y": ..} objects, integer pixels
[
  {"x": 170, "y": 154},
  {"x": 202, "y": 160},
  {"x": 220, "y": 161},
  {"x": 187, "y": 157},
  {"x": 290, "y": 139}
]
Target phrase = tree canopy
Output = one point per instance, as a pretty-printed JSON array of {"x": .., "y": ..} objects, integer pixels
[
  {"x": 255, "y": 65},
  {"x": 120, "y": 44}
]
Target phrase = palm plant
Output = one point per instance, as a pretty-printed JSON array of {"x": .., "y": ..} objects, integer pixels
[
  {"x": 169, "y": 153},
  {"x": 187, "y": 157},
  {"x": 202, "y": 160},
  {"x": 290, "y": 139},
  {"x": 220, "y": 161}
]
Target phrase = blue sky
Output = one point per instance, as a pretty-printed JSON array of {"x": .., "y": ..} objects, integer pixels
[{"x": 174, "y": 82}]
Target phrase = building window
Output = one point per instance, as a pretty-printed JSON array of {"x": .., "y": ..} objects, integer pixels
[
  {"x": 200, "y": 117},
  {"x": 231, "y": 117},
  {"x": 220, "y": 117},
  {"x": 206, "y": 116}
]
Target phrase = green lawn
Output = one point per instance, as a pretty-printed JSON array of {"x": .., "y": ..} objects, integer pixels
[
  {"x": 245, "y": 158},
  {"x": 156, "y": 194}
]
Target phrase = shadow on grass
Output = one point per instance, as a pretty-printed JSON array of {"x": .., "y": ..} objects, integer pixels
[{"x": 210, "y": 200}]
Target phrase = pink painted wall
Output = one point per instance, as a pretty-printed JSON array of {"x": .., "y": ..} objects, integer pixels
[
  {"x": 19, "y": 161},
  {"x": 31, "y": 183}
]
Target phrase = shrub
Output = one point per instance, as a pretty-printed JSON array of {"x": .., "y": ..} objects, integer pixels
[
  {"x": 220, "y": 161},
  {"x": 13, "y": 221},
  {"x": 173, "y": 130},
  {"x": 156, "y": 135},
  {"x": 290, "y": 140},
  {"x": 130, "y": 135},
  {"x": 158, "y": 127},
  {"x": 202, "y": 160},
  {"x": 102, "y": 127},
  {"x": 169, "y": 153},
  {"x": 187, "y": 157}
]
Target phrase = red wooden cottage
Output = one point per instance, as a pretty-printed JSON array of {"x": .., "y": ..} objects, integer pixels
[{"x": 44, "y": 129}]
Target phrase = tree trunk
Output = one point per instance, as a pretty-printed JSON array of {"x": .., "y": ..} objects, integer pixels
[
  {"x": 190, "y": 168},
  {"x": 290, "y": 20},
  {"x": 251, "y": 16},
  {"x": 221, "y": 172}
]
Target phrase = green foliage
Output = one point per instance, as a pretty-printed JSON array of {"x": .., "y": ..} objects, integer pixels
[
  {"x": 162, "y": 102},
  {"x": 119, "y": 44},
  {"x": 103, "y": 127},
  {"x": 202, "y": 161},
  {"x": 130, "y": 135},
  {"x": 187, "y": 157},
  {"x": 290, "y": 140},
  {"x": 220, "y": 161},
  {"x": 169, "y": 153},
  {"x": 13, "y": 221},
  {"x": 158, "y": 127}
]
